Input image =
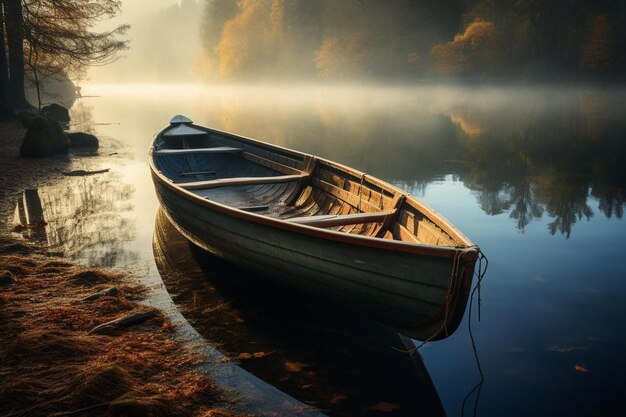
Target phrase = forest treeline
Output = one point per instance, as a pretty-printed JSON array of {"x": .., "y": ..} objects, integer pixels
[{"x": 407, "y": 39}]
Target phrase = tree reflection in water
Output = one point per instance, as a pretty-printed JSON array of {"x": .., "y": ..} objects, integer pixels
[
  {"x": 542, "y": 156},
  {"x": 90, "y": 218},
  {"x": 536, "y": 154}
]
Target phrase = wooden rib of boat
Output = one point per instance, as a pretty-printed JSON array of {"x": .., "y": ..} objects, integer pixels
[{"x": 316, "y": 225}]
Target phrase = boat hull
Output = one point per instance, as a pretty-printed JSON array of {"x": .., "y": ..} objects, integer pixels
[{"x": 403, "y": 289}]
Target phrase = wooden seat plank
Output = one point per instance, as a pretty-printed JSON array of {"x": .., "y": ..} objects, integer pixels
[
  {"x": 230, "y": 182},
  {"x": 217, "y": 149},
  {"x": 330, "y": 220}
]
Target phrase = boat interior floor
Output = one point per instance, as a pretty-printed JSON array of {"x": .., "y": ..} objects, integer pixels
[
  {"x": 228, "y": 178},
  {"x": 319, "y": 195}
]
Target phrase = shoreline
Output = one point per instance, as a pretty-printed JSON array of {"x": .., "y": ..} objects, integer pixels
[
  {"x": 53, "y": 362},
  {"x": 18, "y": 173},
  {"x": 58, "y": 360},
  {"x": 214, "y": 384}
]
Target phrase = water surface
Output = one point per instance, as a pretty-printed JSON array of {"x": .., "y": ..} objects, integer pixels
[{"x": 536, "y": 177}]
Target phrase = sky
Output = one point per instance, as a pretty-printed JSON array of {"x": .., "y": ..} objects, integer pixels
[
  {"x": 133, "y": 10},
  {"x": 147, "y": 19}
]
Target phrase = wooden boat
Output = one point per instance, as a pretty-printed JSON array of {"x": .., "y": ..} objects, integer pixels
[
  {"x": 316, "y": 225},
  {"x": 338, "y": 346}
]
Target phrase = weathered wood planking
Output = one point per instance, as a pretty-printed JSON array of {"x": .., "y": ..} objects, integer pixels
[{"x": 321, "y": 227}]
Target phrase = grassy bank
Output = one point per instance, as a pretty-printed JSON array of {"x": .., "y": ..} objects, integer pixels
[
  {"x": 53, "y": 363},
  {"x": 54, "y": 359}
]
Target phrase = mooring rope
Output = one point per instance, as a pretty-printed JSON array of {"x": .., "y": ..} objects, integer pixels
[
  {"x": 479, "y": 277},
  {"x": 444, "y": 326},
  {"x": 483, "y": 263}
]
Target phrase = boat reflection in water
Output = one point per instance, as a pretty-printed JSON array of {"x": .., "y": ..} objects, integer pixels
[{"x": 339, "y": 362}]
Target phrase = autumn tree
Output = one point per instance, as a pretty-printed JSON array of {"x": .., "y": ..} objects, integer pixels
[
  {"x": 215, "y": 14},
  {"x": 477, "y": 48},
  {"x": 14, "y": 25},
  {"x": 450, "y": 58},
  {"x": 252, "y": 37},
  {"x": 597, "y": 51},
  {"x": 345, "y": 48},
  {"x": 342, "y": 56},
  {"x": 4, "y": 75},
  {"x": 56, "y": 37},
  {"x": 537, "y": 39}
]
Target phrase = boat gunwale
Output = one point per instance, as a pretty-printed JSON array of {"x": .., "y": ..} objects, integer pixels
[{"x": 367, "y": 241}]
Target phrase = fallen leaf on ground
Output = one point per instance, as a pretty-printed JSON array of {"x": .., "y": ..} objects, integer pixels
[
  {"x": 337, "y": 398},
  {"x": 256, "y": 355},
  {"x": 384, "y": 407},
  {"x": 295, "y": 366},
  {"x": 580, "y": 368}
]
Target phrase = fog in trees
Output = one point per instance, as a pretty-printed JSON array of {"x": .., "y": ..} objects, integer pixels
[
  {"x": 552, "y": 161},
  {"x": 372, "y": 40}
]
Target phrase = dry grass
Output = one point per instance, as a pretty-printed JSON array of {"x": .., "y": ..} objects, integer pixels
[{"x": 50, "y": 366}]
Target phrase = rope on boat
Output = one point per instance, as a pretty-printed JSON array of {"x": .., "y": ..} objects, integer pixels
[
  {"x": 483, "y": 263},
  {"x": 479, "y": 277},
  {"x": 453, "y": 278}
]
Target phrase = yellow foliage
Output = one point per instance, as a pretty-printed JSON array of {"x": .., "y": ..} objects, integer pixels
[
  {"x": 450, "y": 58},
  {"x": 202, "y": 65},
  {"x": 413, "y": 58},
  {"x": 598, "y": 49},
  {"x": 251, "y": 35},
  {"x": 478, "y": 33},
  {"x": 277, "y": 17},
  {"x": 342, "y": 55},
  {"x": 477, "y": 46}
]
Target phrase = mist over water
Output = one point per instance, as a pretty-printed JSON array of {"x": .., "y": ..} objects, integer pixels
[
  {"x": 526, "y": 152},
  {"x": 534, "y": 176},
  {"x": 511, "y": 142}
]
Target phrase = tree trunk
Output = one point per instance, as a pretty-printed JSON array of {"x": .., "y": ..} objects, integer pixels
[
  {"x": 4, "y": 65},
  {"x": 15, "y": 37}
]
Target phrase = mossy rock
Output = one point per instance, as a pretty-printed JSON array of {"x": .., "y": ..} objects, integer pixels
[
  {"x": 56, "y": 112},
  {"x": 44, "y": 137},
  {"x": 82, "y": 140}
]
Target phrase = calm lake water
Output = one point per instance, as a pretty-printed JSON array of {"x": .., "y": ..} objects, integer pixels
[{"x": 535, "y": 176}]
